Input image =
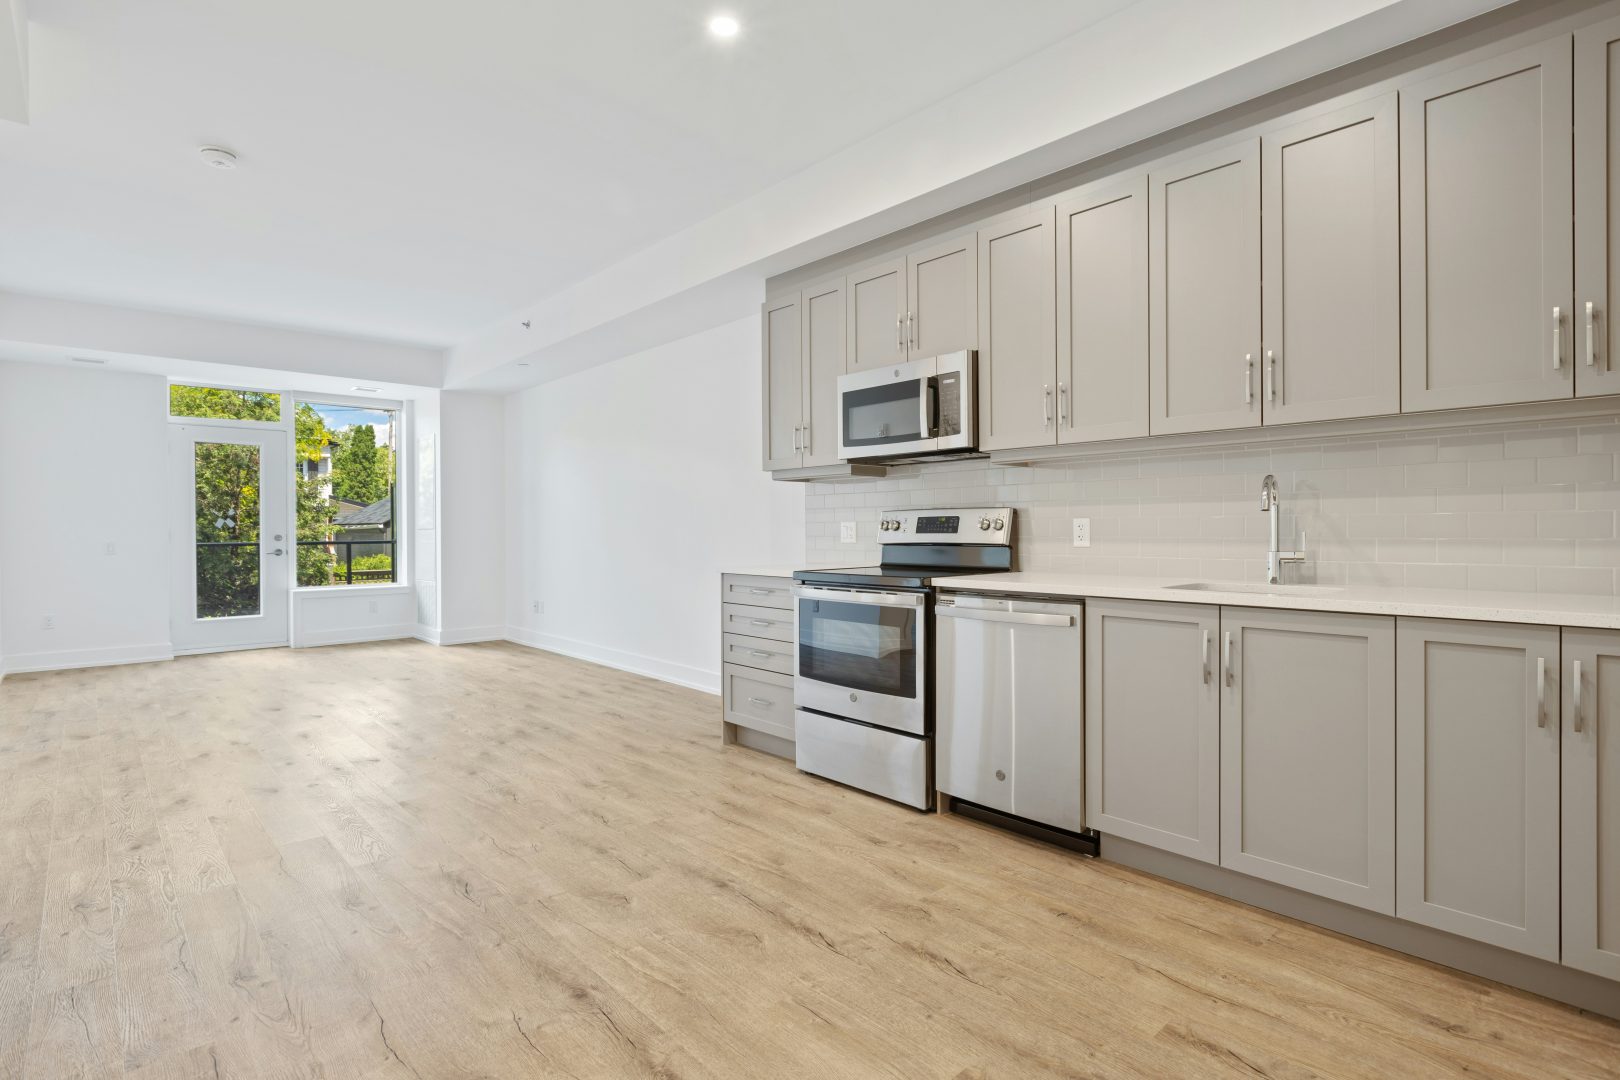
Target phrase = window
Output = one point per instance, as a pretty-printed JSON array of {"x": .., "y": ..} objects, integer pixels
[
  {"x": 215, "y": 403},
  {"x": 344, "y": 467}
]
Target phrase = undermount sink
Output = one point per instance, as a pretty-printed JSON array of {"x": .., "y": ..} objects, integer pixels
[{"x": 1249, "y": 587}]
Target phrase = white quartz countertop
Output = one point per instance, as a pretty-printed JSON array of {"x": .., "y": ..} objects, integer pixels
[
  {"x": 763, "y": 571},
  {"x": 1554, "y": 609}
]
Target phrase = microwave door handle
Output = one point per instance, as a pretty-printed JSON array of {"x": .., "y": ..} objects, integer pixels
[{"x": 930, "y": 408}]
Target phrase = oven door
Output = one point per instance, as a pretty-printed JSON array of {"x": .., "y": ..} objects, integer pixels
[
  {"x": 863, "y": 655},
  {"x": 888, "y": 411}
]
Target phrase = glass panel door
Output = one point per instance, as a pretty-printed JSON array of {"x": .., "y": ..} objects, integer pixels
[
  {"x": 859, "y": 646},
  {"x": 232, "y": 564}
]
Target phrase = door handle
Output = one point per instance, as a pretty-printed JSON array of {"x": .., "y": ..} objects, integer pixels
[
  {"x": 1203, "y": 656},
  {"x": 1576, "y": 688},
  {"x": 1226, "y": 655},
  {"x": 1271, "y": 375},
  {"x": 277, "y": 551},
  {"x": 1541, "y": 691},
  {"x": 1558, "y": 338},
  {"x": 1248, "y": 378},
  {"x": 1591, "y": 334}
]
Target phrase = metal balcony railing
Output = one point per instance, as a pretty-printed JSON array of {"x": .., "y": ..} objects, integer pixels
[{"x": 342, "y": 564}]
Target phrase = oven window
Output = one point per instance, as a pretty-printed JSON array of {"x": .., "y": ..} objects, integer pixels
[
  {"x": 860, "y": 646},
  {"x": 877, "y": 415}
]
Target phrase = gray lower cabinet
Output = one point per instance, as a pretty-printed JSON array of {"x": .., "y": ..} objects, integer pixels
[
  {"x": 1153, "y": 724},
  {"x": 1008, "y": 708},
  {"x": 1204, "y": 290},
  {"x": 1487, "y": 263},
  {"x": 1308, "y": 752},
  {"x": 757, "y": 653},
  {"x": 1477, "y": 781},
  {"x": 1591, "y": 801}
]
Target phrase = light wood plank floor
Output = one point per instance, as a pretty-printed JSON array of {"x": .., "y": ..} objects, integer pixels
[{"x": 396, "y": 861}]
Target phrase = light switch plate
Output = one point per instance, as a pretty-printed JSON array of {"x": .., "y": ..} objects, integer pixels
[
  {"x": 846, "y": 532},
  {"x": 1082, "y": 532}
]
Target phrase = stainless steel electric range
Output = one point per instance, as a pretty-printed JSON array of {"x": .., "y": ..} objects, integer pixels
[{"x": 863, "y": 683}]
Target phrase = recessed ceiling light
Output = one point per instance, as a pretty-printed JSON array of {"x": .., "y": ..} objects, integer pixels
[
  {"x": 218, "y": 157},
  {"x": 366, "y": 389},
  {"x": 724, "y": 26}
]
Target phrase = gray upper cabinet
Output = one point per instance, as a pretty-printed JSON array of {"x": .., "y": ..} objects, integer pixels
[
  {"x": 822, "y": 316},
  {"x": 1331, "y": 250},
  {"x": 1204, "y": 291},
  {"x": 1153, "y": 720},
  {"x": 875, "y": 315},
  {"x": 941, "y": 309},
  {"x": 1476, "y": 783},
  {"x": 1308, "y": 752},
  {"x": 1597, "y": 219},
  {"x": 1102, "y": 311},
  {"x": 783, "y": 381},
  {"x": 1486, "y": 251},
  {"x": 1591, "y": 793},
  {"x": 1018, "y": 398}
]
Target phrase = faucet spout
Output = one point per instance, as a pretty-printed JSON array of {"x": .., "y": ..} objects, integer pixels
[{"x": 1271, "y": 502}]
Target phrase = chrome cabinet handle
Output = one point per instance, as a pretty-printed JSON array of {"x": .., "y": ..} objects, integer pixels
[
  {"x": 1541, "y": 691},
  {"x": 760, "y": 622},
  {"x": 1591, "y": 335},
  {"x": 1226, "y": 655},
  {"x": 1063, "y": 404},
  {"x": 1203, "y": 655},
  {"x": 1271, "y": 375},
  {"x": 806, "y": 445},
  {"x": 761, "y": 653},
  {"x": 911, "y": 329},
  {"x": 1577, "y": 694},
  {"x": 761, "y": 592},
  {"x": 1046, "y": 405},
  {"x": 796, "y": 446},
  {"x": 899, "y": 342},
  {"x": 1558, "y": 338},
  {"x": 761, "y": 702},
  {"x": 1248, "y": 378}
]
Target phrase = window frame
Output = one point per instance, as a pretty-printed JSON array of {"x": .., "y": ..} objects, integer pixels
[{"x": 289, "y": 405}]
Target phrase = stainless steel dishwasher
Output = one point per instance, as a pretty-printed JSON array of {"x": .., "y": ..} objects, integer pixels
[{"x": 1009, "y": 727}]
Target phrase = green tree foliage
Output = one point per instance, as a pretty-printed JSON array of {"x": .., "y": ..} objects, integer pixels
[
  {"x": 362, "y": 471},
  {"x": 315, "y": 510},
  {"x": 212, "y": 402},
  {"x": 227, "y": 530}
]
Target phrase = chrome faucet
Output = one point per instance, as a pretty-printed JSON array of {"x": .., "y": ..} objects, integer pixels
[{"x": 1269, "y": 501}]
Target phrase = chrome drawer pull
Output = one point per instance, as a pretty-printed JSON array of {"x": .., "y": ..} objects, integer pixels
[
  {"x": 761, "y": 702},
  {"x": 1591, "y": 336},
  {"x": 1204, "y": 656},
  {"x": 761, "y": 622},
  {"x": 1577, "y": 692},
  {"x": 1248, "y": 378},
  {"x": 1226, "y": 653},
  {"x": 1558, "y": 338},
  {"x": 1541, "y": 691},
  {"x": 761, "y": 653},
  {"x": 762, "y": 592}
]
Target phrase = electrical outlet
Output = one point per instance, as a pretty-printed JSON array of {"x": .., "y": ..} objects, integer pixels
[
  {"x": 112, "y": 548},
  {"x": 1082, "y": 532},
  {"x": 846, "y": 532},
  {"x": 539, "y": 607},
  {"x": 50, "y": 622}
]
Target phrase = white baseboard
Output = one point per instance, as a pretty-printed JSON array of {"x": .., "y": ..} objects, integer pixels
[
  {"x": 354, "y": 635},
  {"x": 468, "y": 635},
  {"x": 635, "y": 663},
  {"x": 68, "y": 659},
  {"x": 425, "y": 633}
]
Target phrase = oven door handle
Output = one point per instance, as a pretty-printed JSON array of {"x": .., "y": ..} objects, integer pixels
[{"x": 859, "y": 596}]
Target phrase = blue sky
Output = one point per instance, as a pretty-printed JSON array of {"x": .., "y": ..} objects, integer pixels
[{"x": 342, "y": 416}]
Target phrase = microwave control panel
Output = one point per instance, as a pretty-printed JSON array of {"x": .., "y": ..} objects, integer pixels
[{"x": 950, "y": 403}]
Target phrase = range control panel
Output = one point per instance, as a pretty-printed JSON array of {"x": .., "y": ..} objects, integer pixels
[{"x": 954, "y": 525}]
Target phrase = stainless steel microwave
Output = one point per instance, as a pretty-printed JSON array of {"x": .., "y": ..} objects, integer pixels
[{"x": 898, "y": 410}]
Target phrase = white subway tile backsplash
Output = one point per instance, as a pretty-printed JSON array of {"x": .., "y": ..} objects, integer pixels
[{"x": 1518, "y": 509}]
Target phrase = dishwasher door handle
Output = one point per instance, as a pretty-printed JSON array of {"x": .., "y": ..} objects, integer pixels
[{"x": 1022, "y": 618}]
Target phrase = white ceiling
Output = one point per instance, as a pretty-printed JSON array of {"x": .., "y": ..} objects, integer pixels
[{"x": 413, "y": 170}]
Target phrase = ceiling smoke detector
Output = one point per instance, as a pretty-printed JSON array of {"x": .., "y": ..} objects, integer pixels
[{"x": 218, "y": 157}]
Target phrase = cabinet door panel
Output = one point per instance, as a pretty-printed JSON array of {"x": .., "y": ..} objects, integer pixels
[
  {"x": 1331, "y": 226},
  {"x": 1102, "y": 315},
  {"x": 1485, "y": 232},
  {"x": 1597, "y": 218},
  {"x": 875, "y": 315},
  {"x": 1153, "y": 724},
  {"x": 1017, "y": 331},
  {"x": 942, "y": 311},
  {"x": 783, "y": 381},
  {"x": 1591, "y": 790},
  {"x": 1308, "y": 753},
  {"x": 1476, "y": 789},
  {"x": 822, "y": 312},
  {"x": 1204, "y": 261}
]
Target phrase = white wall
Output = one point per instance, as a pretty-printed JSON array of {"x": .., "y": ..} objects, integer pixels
[
  {"x": 630, "y": 487},
  {"x": 83, "y": 457},
  {"x": 338, "y": 616},
  {"x": 472, "y": 515}
]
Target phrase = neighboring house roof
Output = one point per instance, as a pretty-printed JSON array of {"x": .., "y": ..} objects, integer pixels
[{"x": 380, "y": 512}]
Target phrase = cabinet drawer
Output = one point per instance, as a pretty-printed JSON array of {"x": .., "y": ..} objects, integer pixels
[
  {"x": 761, "y": 700},
  {"x": 747, "y": 619},
  {"x": 768, "y": 592},
  {"x": 756, "y": 652}
]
